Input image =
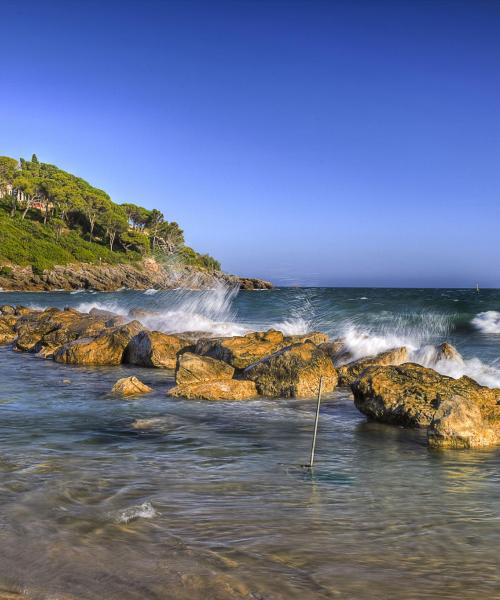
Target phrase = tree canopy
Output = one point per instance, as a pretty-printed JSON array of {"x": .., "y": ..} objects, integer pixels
[{"x": 65, "y": 203}]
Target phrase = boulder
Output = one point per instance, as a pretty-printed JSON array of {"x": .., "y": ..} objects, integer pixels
[
  {"x": 7, "y": 333},
  {"x": 24, "y": 310},
  {"x": 46, "y": 331},
  {"x": 242, "y": 351},
  {"x": 351, "y": 371},
  {"x": 458, "y": 423},
  {"x": 7, "y": 309},
  {"x": 293, "y": 372},
  {"x": 102, "y": 314},
  {"x": 410, "y": 394},
  {"x": 446, "y": 351},
  {"x": 155, "y": 349},
  {"x": 337, "y": 351},
  {"x": 193, "y": 368},
  {"x": 316, "y": 337},
  {"x": 108, "y": 348},
  {"x": 130, "y": 386},
  {"x": 230, "y": 389}
]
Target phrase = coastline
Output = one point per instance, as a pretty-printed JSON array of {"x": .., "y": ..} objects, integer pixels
[{"x": 147, "y": 274}]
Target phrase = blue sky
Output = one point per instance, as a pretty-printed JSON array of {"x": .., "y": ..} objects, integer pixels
[{"x": 332, "y": 143}]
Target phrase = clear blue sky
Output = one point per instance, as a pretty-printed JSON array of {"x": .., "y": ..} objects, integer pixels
[{"x": 338, "y": 142}]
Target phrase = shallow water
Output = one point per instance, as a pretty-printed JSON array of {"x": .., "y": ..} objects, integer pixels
[{"x": 165, "y": 498}]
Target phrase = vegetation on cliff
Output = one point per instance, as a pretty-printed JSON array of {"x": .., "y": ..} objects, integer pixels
[{"x": 50, "y": 217}]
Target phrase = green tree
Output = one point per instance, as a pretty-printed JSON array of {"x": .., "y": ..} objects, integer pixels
[
  {"x": 8, "y": 167},
  {"x": 155, "y": 219},
  {"x": 93, "y": 207},
  {"x": 114, "y": 221}
]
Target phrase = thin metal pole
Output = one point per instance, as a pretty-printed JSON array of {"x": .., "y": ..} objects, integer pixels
[{"x": 313, "y": 447}]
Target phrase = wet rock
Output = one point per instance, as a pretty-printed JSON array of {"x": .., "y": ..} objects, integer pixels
[
  {"x": 193, "y": 368},
  {"x": 293, "y": 372},
  {"x": 242, "y": 351},
  {"x": 155, "y": 349},
  {"x": 351, "y": 371},
  {"x": 446, "y": 351},
  {"x": 102, "y": 314},
  {"x": 7, "y": 333},
  {"x": 316, "y": 337},
  {"x": 410, "y": 394},
  {"x": 46, "y": 331},
  {"x": 24, "y": 310},
  {"x": 337, "y": 351},
  {"x": 231, "y": 389},
  {"x": 7, "y": 309},
  {"x": 130, "y": 386},
  {"x": 108, "y": 348},
  {"x": 458, "y": 423}
]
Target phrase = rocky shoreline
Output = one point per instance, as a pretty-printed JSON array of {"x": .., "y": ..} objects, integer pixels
[
  {"x": 107, "y": 277},
  {"x": 457, "y": 413}
]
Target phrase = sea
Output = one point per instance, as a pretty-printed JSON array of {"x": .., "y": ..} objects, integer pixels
[{"x": 156, "y": 497}]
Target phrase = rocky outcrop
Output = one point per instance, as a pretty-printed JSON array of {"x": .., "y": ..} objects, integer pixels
[
  {"x": 351, "y": 371},
  {"x": 459, "y": 423},
  {"x": 231, "y": 389},
  {"x": 410, "y": 394},
  {"x": 316, "y": 337},
  {"x": 108, "y": 277},
  {"x": 250, "y": 283},
  {"x": 155, "y": 349},
  {"x": 242, "y": 351},
  {"x": 293, "y": 372},
  {"x": 107, "y": 348},
  {"x": 48, "y": 330},
  {"x": 193, "y": 368},
  {"x": 130, "y": 386}
]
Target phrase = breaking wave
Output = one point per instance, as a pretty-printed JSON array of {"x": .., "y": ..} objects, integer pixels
[
  {"x": 487, "y": 322},
  {"x": 208, "y": 310}
]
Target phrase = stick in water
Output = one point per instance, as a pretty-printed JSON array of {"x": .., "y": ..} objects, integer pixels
[{"x": 313, "y": 447}]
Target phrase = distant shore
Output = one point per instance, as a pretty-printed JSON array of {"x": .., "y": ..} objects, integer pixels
[{"x": 111, "y": 277}]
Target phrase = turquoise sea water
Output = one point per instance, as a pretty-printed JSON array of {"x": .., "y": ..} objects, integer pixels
[{"x": 104, "y": 498}]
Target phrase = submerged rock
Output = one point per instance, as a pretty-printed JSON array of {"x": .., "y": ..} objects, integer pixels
[
  {"x": 351, "y": 371},
  {"x": 293, "y": 372},
  {"x": 458, "y": 423},
  {"x": 410, "y": 394},
  {"x": 242, "y": 351},
  {"x": 231, "y": 389},
  {"x": 193, "y": 368},
  {"x": 106, "y": 349},
  {"x": 155, "y": 349},
  {"x": 130, "y": 386}
]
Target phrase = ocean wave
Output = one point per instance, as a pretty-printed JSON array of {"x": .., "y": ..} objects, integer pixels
[
  {"x": 487, "y": 322},
  {"x": 150, "y": 292},
  {"x": 293, "y": 326},
  {"x": 363, "y": 342}
]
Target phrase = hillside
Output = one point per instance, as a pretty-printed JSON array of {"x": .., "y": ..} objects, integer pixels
[{"x": 50, "y": 219}]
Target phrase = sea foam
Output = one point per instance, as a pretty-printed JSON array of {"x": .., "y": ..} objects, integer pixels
[{"x": 487, "y": 322}]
